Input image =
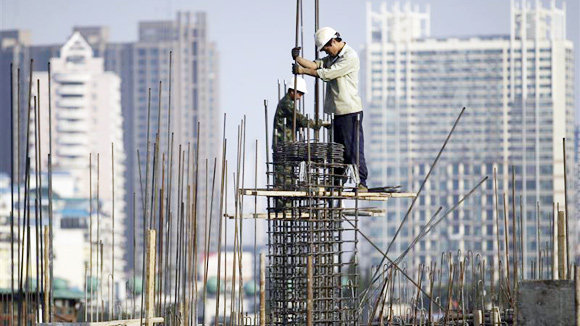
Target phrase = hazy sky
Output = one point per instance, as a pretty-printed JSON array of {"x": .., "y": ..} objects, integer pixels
[{"x": 254, "y": 37}]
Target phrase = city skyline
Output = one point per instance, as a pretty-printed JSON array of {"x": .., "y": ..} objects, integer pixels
[{"x": 517, "y": 90}]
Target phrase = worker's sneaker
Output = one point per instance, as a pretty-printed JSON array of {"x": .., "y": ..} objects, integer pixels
[{"x": 362, "y": 188}]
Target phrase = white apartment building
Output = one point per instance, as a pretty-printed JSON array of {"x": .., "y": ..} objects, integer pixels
[
  {"x": 518, "y": 90},
  {"x": 87, "y": 141}
]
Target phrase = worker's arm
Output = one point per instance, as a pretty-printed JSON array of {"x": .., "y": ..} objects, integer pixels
[{"x": 305, "y": 63}]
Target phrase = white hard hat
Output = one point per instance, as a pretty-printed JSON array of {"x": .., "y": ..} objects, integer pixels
[
  {"x": 300, "y": 85},
  {"x": 324, "y": 35}
]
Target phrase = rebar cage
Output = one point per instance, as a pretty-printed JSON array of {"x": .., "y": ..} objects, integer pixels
[{"x": 299, "y": 227}]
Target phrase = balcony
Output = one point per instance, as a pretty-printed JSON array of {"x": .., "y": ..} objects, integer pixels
[
  {"x": 73, "y": 151},
  {"x": 70, "y": 113},
  {"x": 71, "y": 89},
  {"x": 73, "y": 127},
  {"x": 72, "y": 139},
  {"x": 63, "y": 78},
  {"x": 71, "y": 102}
]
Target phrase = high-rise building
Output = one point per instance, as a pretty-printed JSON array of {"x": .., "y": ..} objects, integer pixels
[
  {"x": 86, "y": 118},
  {"x": 14, "y": 50},
  {"x": 86, "y": 122},
  {"x": 518, "y": 91}
]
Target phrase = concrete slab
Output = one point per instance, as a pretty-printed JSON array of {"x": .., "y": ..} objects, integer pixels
[{"x": 546, "y": 302}]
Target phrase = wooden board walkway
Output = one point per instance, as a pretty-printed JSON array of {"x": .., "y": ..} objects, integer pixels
[
  {"x": 363, "y": 211},
  {"x": 321, "y": 192}
]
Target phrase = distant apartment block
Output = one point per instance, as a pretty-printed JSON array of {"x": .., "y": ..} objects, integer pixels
[{"x": 518, "y": 90}]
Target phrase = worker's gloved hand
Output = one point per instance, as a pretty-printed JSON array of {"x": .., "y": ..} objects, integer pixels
[
  {"x": 314, "y": 124},
  {"x": 297, "y": 69},
  {"x": 319, "y": 124},
  {"x": 296, "y": 52}
]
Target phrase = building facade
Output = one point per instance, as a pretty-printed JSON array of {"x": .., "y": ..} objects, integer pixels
[
  {"x": 87, "y": 144},
  {"x": 518, "y": 91}
]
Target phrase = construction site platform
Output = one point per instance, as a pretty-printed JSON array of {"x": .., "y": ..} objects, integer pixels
[
  {"x": 287, "y": 214},
  {"x": 323, "y": 192}
]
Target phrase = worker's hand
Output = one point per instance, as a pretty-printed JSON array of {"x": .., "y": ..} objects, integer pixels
[
  {"x": 314, "y": 124},
  {"x": 297, "y": 69},
  {"x": 296, "y": 52},
  {"x": 320, "y": 123}
]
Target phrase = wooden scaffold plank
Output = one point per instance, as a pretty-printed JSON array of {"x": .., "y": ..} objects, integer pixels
[{"x": 321, "y": 192}]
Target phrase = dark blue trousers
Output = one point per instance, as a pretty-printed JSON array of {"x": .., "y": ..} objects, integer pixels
[{"x": 345, "y": 132}]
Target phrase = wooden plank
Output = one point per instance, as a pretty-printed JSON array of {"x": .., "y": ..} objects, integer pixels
[
  {"x": 150, "y": 277},
  {"x": 376, "y": 196},
  {"x": 305, "y": 215},
  {"x": 124, "y": 322}
]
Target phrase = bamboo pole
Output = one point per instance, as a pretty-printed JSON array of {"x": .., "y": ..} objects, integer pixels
[
  {"x": 12, "y": 138},
  {"x": 37, "y": 211},
  {"x": 150, "y": 278},
  {"x": 577, "y": 292},
  {"x": 262, "y": 289},
  {"x": 50, "y": 217},
  {"x": 47, "y": 286},
  {"x": 554, "y": 242},
  {"x": 567, "y": 256},
  {"x": 90, "y": 296},
  {"x": 19, "y": 208},
  {"x": 99, "y": 288},
  {"x": 295, "y": 75},
  {"x": 111, "y": 304},
  {"x": 506, "y": 243},
  {"x": 39, "y": 192}
]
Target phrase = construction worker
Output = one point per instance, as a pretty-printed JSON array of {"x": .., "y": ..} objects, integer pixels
[
  {"x": 340, "y": 72},
  {"x": 283, "y": 120},
  {"x": 283, "y": 132}
]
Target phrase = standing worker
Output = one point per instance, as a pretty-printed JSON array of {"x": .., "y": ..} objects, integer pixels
[{"x": 340, "y": 72}]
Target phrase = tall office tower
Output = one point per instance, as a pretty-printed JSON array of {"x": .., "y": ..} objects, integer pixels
[
  {"x": 518, "y": 91},
  {"x": 14, "y": 49},
  {"x": 142, "y": 65},
  {"x": 193, "y": 99},
  {"x": 86, "y": 120}
]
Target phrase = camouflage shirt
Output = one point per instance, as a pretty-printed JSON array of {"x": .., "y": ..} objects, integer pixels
[{"x": 285, "y": 110}]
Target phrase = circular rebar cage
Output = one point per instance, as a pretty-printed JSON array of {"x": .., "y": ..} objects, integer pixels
[{"x": 312, "y": 226}]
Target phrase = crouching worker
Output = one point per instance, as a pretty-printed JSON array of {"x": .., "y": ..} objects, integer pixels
[{"x": 284, "y": 132}]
